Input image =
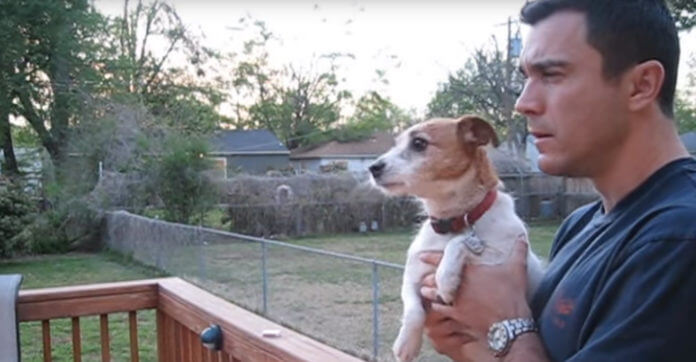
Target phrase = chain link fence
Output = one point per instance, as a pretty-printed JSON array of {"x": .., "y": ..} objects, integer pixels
[{"x": 349, "y": 302}]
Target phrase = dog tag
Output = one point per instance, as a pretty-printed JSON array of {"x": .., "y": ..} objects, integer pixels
[{"x": 474, "y": 244}]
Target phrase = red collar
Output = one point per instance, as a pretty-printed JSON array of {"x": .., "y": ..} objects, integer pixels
[{"x": 459, "y": 223}]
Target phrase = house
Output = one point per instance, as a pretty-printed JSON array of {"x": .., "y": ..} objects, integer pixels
[
  {"x": 249, "y": 151},
  {"x": 689, "y": 140},
  {"x": 349, "y": 156}
]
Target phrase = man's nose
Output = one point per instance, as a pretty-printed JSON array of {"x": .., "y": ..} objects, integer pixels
[
  {"x": 529, "y": 102},
  {"x": 377, "y": 168}
]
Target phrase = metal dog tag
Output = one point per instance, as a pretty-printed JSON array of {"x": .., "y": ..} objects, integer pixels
[{"x": 474, "y": 244}]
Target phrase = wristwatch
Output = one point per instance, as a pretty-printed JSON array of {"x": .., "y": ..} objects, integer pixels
[{"x": 503, "y": 333}]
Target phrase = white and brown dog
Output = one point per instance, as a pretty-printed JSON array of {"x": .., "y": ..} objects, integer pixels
[{"x": 444, "y": 163}]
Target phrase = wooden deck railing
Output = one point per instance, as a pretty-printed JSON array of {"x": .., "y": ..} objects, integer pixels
[{"x": 183, "y": 311}]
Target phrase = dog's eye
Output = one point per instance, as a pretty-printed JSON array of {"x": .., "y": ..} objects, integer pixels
[{"x": 419, "y": 144}]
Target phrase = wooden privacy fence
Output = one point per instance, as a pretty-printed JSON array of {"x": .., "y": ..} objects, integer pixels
[
  {"x": 183, "y": 311},
  {"x": 537, "y": 197}
]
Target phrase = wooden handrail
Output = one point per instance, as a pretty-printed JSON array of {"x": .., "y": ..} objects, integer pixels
[
  {"x": 183, "y": 311},
  {"x": 84, "y": 300},
  {"x": 197, "y": 309}
]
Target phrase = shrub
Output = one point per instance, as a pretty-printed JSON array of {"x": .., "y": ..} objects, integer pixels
[
  {"x": 16, "y": 212},
  {"x": 66, "y": 226},
  {"x": 180, "y": 180}
]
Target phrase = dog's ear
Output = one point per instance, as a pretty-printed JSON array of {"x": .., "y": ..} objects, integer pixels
[{"x": 475, "y": 131}]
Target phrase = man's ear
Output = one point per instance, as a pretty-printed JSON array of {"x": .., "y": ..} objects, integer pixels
[
  {"x": 473, "y": 130},
  {"x": 645, "y": 84}
]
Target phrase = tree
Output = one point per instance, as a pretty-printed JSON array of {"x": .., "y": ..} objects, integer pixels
[
  {"x": 373, "y": 113},
  {"x": 685, "y": 114},
  {"x": 684, "y": 103},
  {"x": 45, "y": 65},
  {"x": 488, "y": 86},
  {"x": 60, "y": 55},
  {"x": 298, "y": 105},
  {"x": 684, "y": 12},
  {"x": 149, "y": 55}
]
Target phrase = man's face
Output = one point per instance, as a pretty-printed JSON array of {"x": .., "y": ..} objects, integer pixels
[{"x": 577, "y": 116}]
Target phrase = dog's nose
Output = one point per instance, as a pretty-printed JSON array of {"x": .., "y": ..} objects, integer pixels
[{"x": 377, "y": 168}]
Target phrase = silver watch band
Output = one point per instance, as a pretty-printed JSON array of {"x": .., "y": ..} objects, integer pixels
[
  {"x": 520, "y": 325},
  {"x": 503, "y": 333}
]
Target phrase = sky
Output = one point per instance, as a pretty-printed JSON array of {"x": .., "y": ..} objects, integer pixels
[{"x": 417, "y": 43}]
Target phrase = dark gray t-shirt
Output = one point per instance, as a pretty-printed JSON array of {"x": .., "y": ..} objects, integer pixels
[{"x": 621, "y": 286}]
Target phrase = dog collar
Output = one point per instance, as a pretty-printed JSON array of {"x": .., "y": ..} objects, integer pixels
[{"x": 459, "y": 223}]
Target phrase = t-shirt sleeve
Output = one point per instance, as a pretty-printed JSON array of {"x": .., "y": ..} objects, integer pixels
[{"x": 646, "y": 309}]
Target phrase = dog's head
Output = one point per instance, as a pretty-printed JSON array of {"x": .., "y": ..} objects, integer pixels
[{"x": 437, "y": 153}]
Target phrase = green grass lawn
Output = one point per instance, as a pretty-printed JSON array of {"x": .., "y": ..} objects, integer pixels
[
  {"x": 541, "y": 236},
  {"x": 72, "y": 269},
  {"x": 392, "y": 246}
]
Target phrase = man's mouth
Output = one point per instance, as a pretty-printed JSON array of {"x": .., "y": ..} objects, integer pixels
[
  {"x": 542, "y": 141},
  {"x": 540, "y": 135}
]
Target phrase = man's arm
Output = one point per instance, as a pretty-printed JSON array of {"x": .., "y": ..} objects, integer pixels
[{"x": 527, "y": 347}]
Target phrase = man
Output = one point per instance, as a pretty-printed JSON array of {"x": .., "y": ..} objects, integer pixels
[{"x": 621, "y": 280}]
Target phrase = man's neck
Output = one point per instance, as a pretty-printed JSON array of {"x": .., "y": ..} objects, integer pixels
[{"x": 641, "y": 157}]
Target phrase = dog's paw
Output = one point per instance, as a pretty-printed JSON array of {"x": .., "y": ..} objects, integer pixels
[
  {"x": 407, "y": 345},
  {"x": 446, "y": 297},
  {"x": 447, "y": 285}
]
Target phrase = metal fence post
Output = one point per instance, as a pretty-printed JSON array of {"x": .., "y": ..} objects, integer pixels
[
  {"x": 201, "y": 255},
  {"x": 375, "y": 310},
  {"x": 264, "y": 275}
]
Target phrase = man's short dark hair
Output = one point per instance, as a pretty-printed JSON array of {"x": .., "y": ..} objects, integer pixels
[{"x": 626, "y": 33}]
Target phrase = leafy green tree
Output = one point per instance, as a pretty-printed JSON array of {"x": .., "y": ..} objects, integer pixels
[
  {"x": 46, "y": 45},
  {"x": 373, "y": 113},
  {"x": 60, "y": 56},
  {"x": 685, "y": 114},
  {"x": 684, "y": 12},
  {"x": 685, "y": 100}
]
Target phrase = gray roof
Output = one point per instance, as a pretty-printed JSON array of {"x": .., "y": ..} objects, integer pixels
[
  {"x": 256, "y": 141},
  {"x": 689, "y": 140}
]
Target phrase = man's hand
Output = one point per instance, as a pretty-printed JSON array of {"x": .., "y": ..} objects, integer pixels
[
  {"x": 487, "y": 294},
  {"x": 447, "y": 336}
]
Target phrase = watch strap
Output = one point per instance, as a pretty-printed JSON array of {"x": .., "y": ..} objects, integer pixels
[{"x": 514, "y": 328}]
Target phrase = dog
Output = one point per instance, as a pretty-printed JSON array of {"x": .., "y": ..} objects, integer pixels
[{"x": 444, "y": 163}]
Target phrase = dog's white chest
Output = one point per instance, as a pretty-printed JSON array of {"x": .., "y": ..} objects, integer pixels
[{"x": 428, "y": 239}]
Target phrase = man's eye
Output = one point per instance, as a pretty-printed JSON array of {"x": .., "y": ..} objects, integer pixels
[{"x": 419, "y": 144}]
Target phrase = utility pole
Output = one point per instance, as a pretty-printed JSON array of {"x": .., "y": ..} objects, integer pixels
[
  {"x": 508, "y": 63},
  {"x": 517, "y": 134},
  {"x": 518, "y": 131},
  {"x": 508, "y": 97}
]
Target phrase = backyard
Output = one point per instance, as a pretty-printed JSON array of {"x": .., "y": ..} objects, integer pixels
[{"x": 316, "y": 295}]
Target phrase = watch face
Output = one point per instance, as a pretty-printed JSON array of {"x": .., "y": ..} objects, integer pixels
[{"x": 497, "y": 337}]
